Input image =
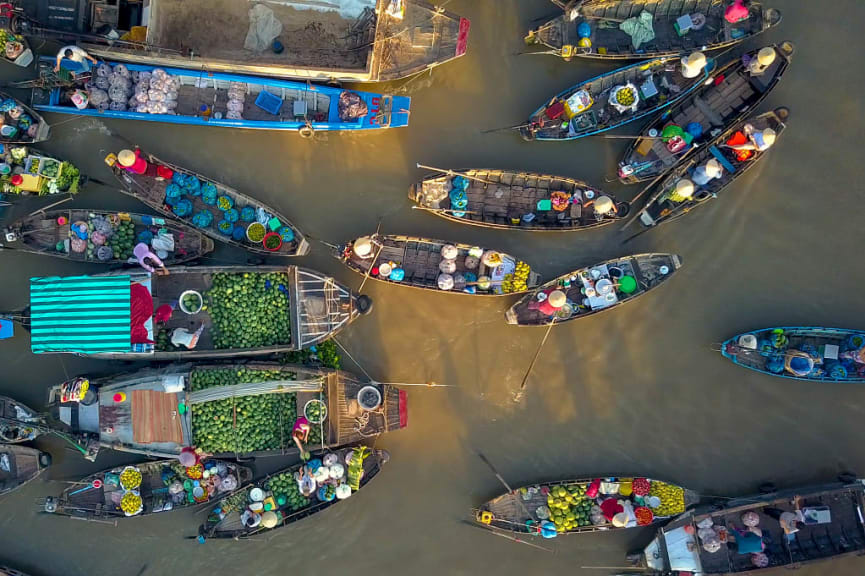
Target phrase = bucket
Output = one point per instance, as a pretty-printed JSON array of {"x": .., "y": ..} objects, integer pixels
[
  {"x": 322, "y": 414},
  {"x": 272, "y": 242},
  {"x": 187, "y": 302},
  {"x": 369, "y": 398},
  {"x": 255, "y": 232}
]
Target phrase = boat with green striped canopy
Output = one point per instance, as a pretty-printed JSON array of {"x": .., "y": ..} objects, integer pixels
[{"x": 188, "y": 312}]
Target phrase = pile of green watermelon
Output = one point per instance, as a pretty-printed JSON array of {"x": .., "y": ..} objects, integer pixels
[
  {"x": 249, "y": 310},
  {"x": 285, "y": 488},
  {"x": 245, "y": 424}
]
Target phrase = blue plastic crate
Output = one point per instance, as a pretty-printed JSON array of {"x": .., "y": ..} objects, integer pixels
[{"x": 269, "y": 102}]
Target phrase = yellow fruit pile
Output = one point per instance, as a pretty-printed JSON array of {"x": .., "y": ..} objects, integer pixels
[
  {"x": 130, "y": 478},
  {"x": 569, "y": 507},
  {"x": 625, "y": 96},
  {"x": 672, "y": 498},
  {"x": 131, "y": 503},
  {"x": 518, "y": 281}
]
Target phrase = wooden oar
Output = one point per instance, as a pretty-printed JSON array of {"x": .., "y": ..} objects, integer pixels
[
  {"x": 375, "y": 258},
  {"x": 453, "y": 173},
  {"x": 518, "y": 126},
  {"x": 629, "y": 137},
  {"x": 46, "y": 208},
  {"x": 416, "y": 207},
  {"x": 521, "y": 392},
  {"x": 512, "y": 537}
]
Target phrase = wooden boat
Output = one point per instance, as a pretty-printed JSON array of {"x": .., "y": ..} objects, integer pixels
[
  {"x": 6, "y": 571},
  {"x": 14, "y": 48},
  {"x": 595, "y": 288},
  {"x": 161, "y": 486},
  {"x": 132, "y": 425},
  {"x": 264, "y": 104},
  {"x": 801, "y": 353},
  {"x": 421, "y": 259},
  {"x": 832, "y": 528},
  {"x": 511, "y": 200},
  {"x": 663, "y": 204},
  {"x": 235, "y": 520},
  {"x": 703, "y": 20},
  {"x": 311, "y": 308},
  {"x": 204, "y": 212},
  {"x": 613, "y": 99},
  {"x": 19, "y": 465},
  {"x": 29, "y": 126},
  {"x": 18, "y": 423},
  {"x": 41, "y": 174},
  {"x": 716, "y": 107},
  {"x": 51, "y": 233},
  {"x": 569, "y": 507},
  {"x": 342, "y": 40}
]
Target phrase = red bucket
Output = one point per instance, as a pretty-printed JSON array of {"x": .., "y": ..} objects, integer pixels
[{"x": 266, "y": 242}]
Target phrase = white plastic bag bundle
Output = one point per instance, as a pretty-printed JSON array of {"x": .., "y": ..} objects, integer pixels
[
  {"x": 234, "y": 106},
  {"x": 117, "y": 105},
  {"x": 155, "y": 95}
]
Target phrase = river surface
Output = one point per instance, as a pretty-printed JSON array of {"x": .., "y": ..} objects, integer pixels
[{"x": 636, "y": 390}]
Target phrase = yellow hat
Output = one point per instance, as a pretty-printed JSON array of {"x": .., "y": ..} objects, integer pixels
[
  {"x": 557, "y": 299},
  {"x": 603, "y": 204},
  {"x": 684, "y": 188},
  {"x": 269, "y": 519},
  {"x": 126, "y": 158},
  {"x": 363, "y": 246},
  {"x": 768, "y": 136},
  {"x": 766, "y": 56},
  {"x": 693, "y": 64},
  {"x": 584, "y": 43}
]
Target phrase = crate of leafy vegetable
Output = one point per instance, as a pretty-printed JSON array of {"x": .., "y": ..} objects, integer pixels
[
  {"x": 68, "y": 178},
  {"x": 50, "y": 168}
]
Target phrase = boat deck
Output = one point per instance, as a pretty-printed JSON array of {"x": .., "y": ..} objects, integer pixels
[
  {"x": 18, "y": 465},
  {"x": 500, "y": 199},
  {"x": 348, "y": 423},
  {"x": 313, "y": 33},
  {"x": 812, "y": 542},
  {"x": 214, "y": 93}
]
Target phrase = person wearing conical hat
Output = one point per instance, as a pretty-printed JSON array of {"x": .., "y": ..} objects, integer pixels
[
  {"x": 549, "y": 301},
  {"x": 133, "y": 162},
  {"x": 705, "y": 173},
  {"x": 759, "y": 140},
  {"x": 693, "y": 64},
  {"x": 682, "y": 191},
  {"x": 603, "y": 205},
  {"x": 363, "y": 247},
  {"x": 756, "y": 65}
]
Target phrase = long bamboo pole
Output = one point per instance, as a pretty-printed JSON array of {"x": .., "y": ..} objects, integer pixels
[{"x": 453, "y": 173}]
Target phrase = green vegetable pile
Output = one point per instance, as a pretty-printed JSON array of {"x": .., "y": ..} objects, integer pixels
[
  {"x": 50, "y": 168},
  {"x": 285, "y": 486},
  {"x": 69, "y": 178},
  {"x": 123, "y": 240},
  {"x": 192, "y": 302},
  {"x": 245, "y": 424},
  {"x": 249, "y": 310}
]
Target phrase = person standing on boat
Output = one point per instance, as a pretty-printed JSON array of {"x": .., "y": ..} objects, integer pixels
[
  {"x": 757, "y": 140},
  {"x": 73, "y": 59},
  {"x": 300, "y": 434},
  {"x": 135, "y": 163},
  {"x": 757, "y": 65},
  {"x": 705, "y": 173},
  {"x": 143, "y": 253}
]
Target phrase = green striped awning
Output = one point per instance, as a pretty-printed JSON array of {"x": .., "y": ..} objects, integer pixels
[{"x": 82, "y": 314}]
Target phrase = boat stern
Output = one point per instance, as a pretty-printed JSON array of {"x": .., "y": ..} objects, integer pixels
[{"x": 400, "y": 111}]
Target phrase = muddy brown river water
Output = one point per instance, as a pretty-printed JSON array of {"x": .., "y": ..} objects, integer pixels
[{"x": 636, "y": 390}]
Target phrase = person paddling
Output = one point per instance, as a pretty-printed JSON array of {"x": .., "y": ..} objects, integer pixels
[{"x": 300, "y": 434}]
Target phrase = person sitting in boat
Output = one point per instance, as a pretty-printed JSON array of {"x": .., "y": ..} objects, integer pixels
[
  {"x": 363, "y": 248},
  {"x": 756, "y": 140},
  {"x": 736, "y": 12},
  {"x": 790, "y": 521},
  {"x": 135, "y": 163},
  {"x": 604, "y": 205},
  {"x": 300, "y": 434},
  {"x": 705, "y": 173},
  {"x": 549, "y": 301},
  {"x": 143, "y": 254},
  {"x": 757, "y": 65},
  {"x": 305, "y": 482},
  {"x": 73, "y": 59}
]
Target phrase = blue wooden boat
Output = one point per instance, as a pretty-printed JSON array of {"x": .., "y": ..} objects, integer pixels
[
  {"x": 217, "y": 99},
  {"x": 801, "y": 353},
  {"x": 601, "y": 103}
]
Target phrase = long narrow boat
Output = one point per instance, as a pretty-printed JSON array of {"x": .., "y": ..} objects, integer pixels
[
  {"x": 613, "y": 99},
  {"x": 343, "y": 40},
  {"x": 586, "y": 505},
  {"x": 801, "y": 353},
  {"x": 244, "y": 515},
  {"x": 146, "y": 488},
  {"x": 511, "y": 200},
  {"x": 665, "y": 204},
  {"x": 6, "y": 571},
  {"x": 217, "y": 210},
  {"x": 235, "y": 410},
  {"x": 41, "y": 174},
  {"x": 593, "y": 289},
  {"x": 437, "y": 265},
  {"x": 189, "y": 313},
  {"x": 18, "y": 423},
  {"x": 593, "y": 28},
  {"x": 25, "y": 125},
  {"x": 104, "y": 237},
  {"x": 697, "y": 543},
  {"x": 226, "y": 100},
  {"x": 19, "y": 465},
  {"x": 706, "y": 112},
  {"x": 14, "y": 48}
]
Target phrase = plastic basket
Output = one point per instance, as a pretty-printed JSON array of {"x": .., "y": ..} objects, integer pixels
[
  {"x": 269, "y": 102},
  {"x": 183, "y": 304},
  {"x": 323, "y": 411}
]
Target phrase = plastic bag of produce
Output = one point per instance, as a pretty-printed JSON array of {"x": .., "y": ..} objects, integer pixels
[
  {"x": 172, "y": 95},
  {"x": 103, "y": 83},
  {"x": 103, "y": 70},
  {"x": 159, "y": 73},
  {"x": 117, "y": 106},
  {"x": 231, "y": 115},
  {"x": 122, "y": 70},
  {"x": 234, "y": 106},
  {"x": 155, "y": 95},
  {"x": 351, "y": 106},
  {"x": 97, "y": 96},
  {"x": 117, "y": 93}
]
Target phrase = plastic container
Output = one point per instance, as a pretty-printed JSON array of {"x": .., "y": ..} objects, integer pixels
[
  {"x": 255, "y": 232},
  {"x": 270, "y": 244},
  {"x": 268, "y": 102},
  {"x": 323, "y": 415},
  {"x": 369, "y": 398},
  {"x": 184, "y": 296}
]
